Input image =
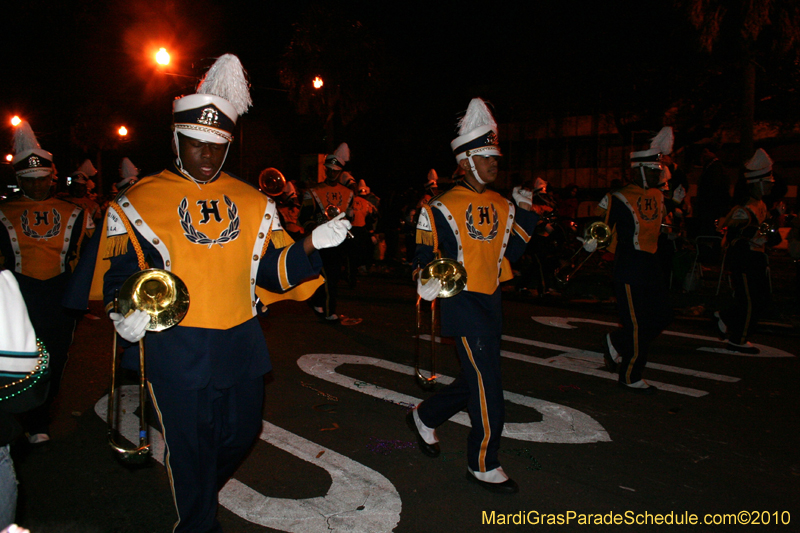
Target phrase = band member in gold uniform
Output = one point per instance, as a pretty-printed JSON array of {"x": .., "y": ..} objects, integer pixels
[{"x": 483, "y": 231}]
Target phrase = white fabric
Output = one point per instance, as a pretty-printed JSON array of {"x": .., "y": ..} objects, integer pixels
[
  {"x": 590, "y": 245},
  {"x": 429, "y": 290},
  {"x": 492, "y": 476},
  {"x": 133, "y": 327},
  {"x": 522, "y": 196},
  {"x": 331, "y": 234},
  {"x": 427, "y": 434},
  {"x": 679, "y": 194},
  {"x": 16, "y": 332}
]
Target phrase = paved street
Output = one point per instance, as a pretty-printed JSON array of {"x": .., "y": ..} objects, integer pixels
[{"x": 335, "y": 454}]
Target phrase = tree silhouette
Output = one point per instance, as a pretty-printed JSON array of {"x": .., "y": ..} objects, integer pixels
[
  {"x": 758, "y": 31},
  {"x": 341, "y": 51}
]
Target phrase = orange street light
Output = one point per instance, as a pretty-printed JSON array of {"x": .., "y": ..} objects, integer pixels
[
  {"x": 318, "y": 82},
  {"x": 15, "y": 121},
  {"x": 9, "y": 158},
  {"x": 123, "y": 131},
  {"x": 162, "y": 56}
]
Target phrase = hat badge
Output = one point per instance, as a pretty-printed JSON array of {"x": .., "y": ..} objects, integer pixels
[
  {"x": 209, "y": 117},
  {"x": 33, "y": 161},
  {"x": 492, "y": 138}
]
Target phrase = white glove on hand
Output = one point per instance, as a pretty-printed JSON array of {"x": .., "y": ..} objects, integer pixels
[
  {"x": 522, "y": 196},
  {"x": 331, "y": 234},
  {"x": 133, "y": 327},
  {"x": 430, "y": 289},
  {"x": 590, "y": 245},
  {"x": 679, "y": 194}
]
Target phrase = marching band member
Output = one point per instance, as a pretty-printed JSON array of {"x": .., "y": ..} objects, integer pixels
[
  {"x": 745, "y": 240},
  {"x": 635, "y": 212},
  {"x": 316, "y": 199},
  {"x": 42, "y": 235},
  {"x": 483, "y": 231},
  {"x": 221, "y": 236}
]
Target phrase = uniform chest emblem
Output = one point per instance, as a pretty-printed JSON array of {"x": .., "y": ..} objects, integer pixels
[
  {"x": 648, "y": 208},
  {"x": 209, "y": 208},
  {"x": 483, "y": 214},
  {"x": 41, "y": 217}
]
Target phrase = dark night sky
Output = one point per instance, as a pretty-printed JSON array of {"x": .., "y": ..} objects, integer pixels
[{"x": 544, "y": 56}]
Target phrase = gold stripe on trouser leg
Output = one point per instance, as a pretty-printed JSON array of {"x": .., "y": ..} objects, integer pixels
[
  {"x": 166, "y": 459},
  {"x": 487, "y": 432},
  {"x": 749, "y": 315},
  {"x": 632, "y": 312}
]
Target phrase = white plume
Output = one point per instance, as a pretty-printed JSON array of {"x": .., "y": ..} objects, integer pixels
[
  {"x": 342, "y": 153},
  {"x": 433, "y": 176},
  {"x": 759, "y": 161},
  {"x": 24, "y": 138},
  {"x": 227, "y": 79},
  {"x": 663, "y": 141},
  {"x": 128, "y": 169},
  {"x": 477, "y": 115}
]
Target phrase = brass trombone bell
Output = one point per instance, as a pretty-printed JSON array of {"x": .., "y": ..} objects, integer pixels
[
  {"x": 451, "y": 274},
  {"x": 271, "y": 182},
  {"x": 159, "y": 293}
]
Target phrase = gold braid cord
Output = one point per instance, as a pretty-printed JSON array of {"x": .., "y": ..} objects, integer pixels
[
  {"x": 266, "y": 241},
  {"x": 131, "y": 235}
]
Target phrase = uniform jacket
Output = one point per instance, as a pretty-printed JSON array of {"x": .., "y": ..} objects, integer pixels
[
  {"x": 222, "y": 239},
  {"x": 484, "y": 232}
]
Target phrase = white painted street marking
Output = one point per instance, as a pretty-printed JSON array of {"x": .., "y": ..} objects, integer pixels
[
  {"x": 559, "y": 424},
  {"x": 359, "y": 499},
  {"x": 564, "y": 323},
  {"x": 591, "y": 364}
]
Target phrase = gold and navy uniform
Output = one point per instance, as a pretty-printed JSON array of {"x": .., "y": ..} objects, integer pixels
[
  {"x": 484, "y": 232},
  {"x": 38, "y": 241},
  {"x": 220, "y": 239},
  {"x": 316, "y": 200},
  {"x": 748, "y": 262},
  {"x": 205, "y": 375},
  {"x": 635, "y": 216}
]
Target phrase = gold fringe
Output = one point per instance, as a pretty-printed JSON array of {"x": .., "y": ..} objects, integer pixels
[
  {"x": 116, "y": 246},
  {"x": 280, "y": 239},
  {"x": 425, "y": 237}
]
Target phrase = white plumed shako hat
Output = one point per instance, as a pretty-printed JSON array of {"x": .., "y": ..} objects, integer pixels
[
  {"x": 30, "y": 160},
  {"x": 758, "y": 168}
]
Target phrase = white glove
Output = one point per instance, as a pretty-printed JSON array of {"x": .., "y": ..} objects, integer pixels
[
  {"x": 522, "y": 196},
  {"x": 330, "y": 234},
  {"x": 430, "y": 289},
  {"x": 679, "y": 194},
  {"x": 133, "y": 327},
  {"x": 590, "y": 245}
]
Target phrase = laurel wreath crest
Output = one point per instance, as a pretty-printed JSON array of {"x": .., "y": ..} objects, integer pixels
[
  {"x": 475, "y": 233},
  {"x": 32, "y": 233},
  {"x": 197, "y": 237}
]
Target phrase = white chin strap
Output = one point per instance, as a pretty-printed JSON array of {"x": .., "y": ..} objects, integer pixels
[
  {"x": 474, "y": 172},
  {"x": 644, "y": 180},
  {"x": 185, "y": 172}
]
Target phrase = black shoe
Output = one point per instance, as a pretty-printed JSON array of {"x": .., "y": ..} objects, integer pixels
[
  {"x": 431, "y": 450},
  {"x": 743, "y": 348},
  {"x": 611, "y": 365},
  {"x": 508, "y": 486},
  {"x": 645, "y": 391}
]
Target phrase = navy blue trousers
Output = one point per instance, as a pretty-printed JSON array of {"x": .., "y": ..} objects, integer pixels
[
  {"x": 644, "y": 312},
  {"x": 208, "y": 432},
  {"x": 751, "y": 292},
  {"x": 479, "y": 388}
]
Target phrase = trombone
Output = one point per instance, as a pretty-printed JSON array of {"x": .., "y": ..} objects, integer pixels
[
  {"x": 163, "y": 296},
  {"x": 453, "y": 277},
  {"x": 597, "y": 230}
]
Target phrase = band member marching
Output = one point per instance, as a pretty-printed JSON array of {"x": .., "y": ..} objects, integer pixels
[
  {"x": 483, "y": 231},
  {"x": 221, "y": 236},
  {"x": 635, "y": 213},
  {"x": 317, "y": 199},
  {"x": 746, "y": 235},
  {"x": 40, "y": 237}
]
